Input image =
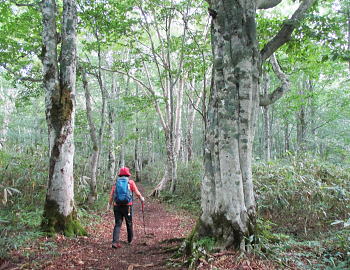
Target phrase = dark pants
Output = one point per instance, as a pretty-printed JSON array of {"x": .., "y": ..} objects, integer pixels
[{"x": 121, "y": 211}]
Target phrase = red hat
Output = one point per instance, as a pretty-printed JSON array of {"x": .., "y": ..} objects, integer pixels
[{"x": 124, "y": 171}]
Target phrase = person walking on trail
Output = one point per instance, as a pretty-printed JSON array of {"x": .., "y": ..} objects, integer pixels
[{"x": 121, "y": 198}]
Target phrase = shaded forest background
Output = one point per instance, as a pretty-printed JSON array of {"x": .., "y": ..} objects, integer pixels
[{"x": 127, "y": 50}]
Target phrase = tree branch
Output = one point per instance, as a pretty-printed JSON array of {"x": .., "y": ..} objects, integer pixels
[
  {"x": 19, "y": 77},
  {"x": 286, "y": 31},
  {"x": 24, "y": 5},
  {"x": 266, "y": 4},
  {"x": 148, "y": 88},
  {"x": 131, "y": 77},
  {"x": 323, "y": 124},
  {"x": 279, "y": 91}
]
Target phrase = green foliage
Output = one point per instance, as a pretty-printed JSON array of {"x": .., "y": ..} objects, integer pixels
[
  {"x": 298, "y": 200},
  {"x": 195, "y": 248},
  {"x": 18, "y": 226},
  {"x": 107, "y": 20},
  {"x": 200, "y": 249},
  {"x": 265, "y": 235},
  {"x": 187, "y": 195},
  {"x": 308, "y": 193}
]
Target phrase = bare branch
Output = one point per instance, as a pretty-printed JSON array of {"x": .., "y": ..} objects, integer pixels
[
  {"x": 279, "y": 91},
  {"x": 286, "y": 31},
  {"x": 148, "y": 88},
  {"x": 131, "y": 77},
  {"x": 323, "y": 124},
  {"x": 266, "y": 4},
  {"x": 195, "y": 105},
  {"x": 161, "y": 117}
]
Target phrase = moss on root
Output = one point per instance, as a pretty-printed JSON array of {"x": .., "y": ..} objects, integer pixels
[
  {"x": 54, "y": 222},
  {"x": 195, "y": 236},
  {"x": 197, "y": 245}
]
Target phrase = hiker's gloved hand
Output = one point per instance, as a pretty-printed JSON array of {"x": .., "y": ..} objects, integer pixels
[{"x": 142, "y": 199}]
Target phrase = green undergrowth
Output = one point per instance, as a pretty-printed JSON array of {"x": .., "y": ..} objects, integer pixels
[
  {"x": 187, "y": 194},
  {"x": 329, "y": 252},
  {"x": 303, "y": 196},
  {"x": 23, "y": 180},
  {"x": 303, "y": 210}
]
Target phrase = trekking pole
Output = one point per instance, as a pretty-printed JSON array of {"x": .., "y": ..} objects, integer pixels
[{"x": 143, "y": 216}]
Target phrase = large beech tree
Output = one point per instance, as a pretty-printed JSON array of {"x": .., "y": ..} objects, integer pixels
[
  {"x": 59, "y": 72},
  {"x": 228, "y": 202}
]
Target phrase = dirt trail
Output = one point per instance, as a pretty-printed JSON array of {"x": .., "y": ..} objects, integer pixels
[{"x": 149, "y": 251}]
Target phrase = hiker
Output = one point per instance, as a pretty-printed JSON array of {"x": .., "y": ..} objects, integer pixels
[{"x": 122, "y": 204}]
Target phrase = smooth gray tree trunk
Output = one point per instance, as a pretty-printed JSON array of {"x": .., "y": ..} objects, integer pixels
[
  {"x": 8, "y": 106},
  {"x": 301, "y": 119},
  {"x": 95, "y": 143},
  {"x": 227, "y": 199},
  {"x": 266, "y": 116},
  {"x": 111, "y": 121},
  {"x": 228, "y": 202}
]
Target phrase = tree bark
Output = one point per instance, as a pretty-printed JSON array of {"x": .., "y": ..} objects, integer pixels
[
  {"x": 111, "y": 116},
  {"x": 8, "y": 107},
  {"x": 59, "y": 210},
  {"x": 137, "y": 159},
  {"x": 266, "y": 115},
  {"x": 228, "y": 202},
  {"x": 301, "y": 119},
  {"x": 348, "y": 13},
  {"x": 95, "y": 143},
  {"x": 193, "y": 108},
  {"x": 286, "y": 137}
]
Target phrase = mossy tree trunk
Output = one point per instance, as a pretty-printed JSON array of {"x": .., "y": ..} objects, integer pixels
[
  {"x": 228, "y": 204},
  {"x": 59, "y": 82},
  {"x": 227, "y": 191}
]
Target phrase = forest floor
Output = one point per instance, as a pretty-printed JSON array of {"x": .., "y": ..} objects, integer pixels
[{"x": 152, "y": 247}]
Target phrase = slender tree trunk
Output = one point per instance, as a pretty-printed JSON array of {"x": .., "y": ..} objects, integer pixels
[
  {"x": 227, "y": 190},
  {"x": 178, "y": 116},
  {"x": 348, "y": 13},
  {"x": 95, "y": 143},
  {"x": 266, "y": 114},
  {"x": 191, "y": 119},
  {"x": 122, "y": 148},
  {"x": 137, "y": 159},
  {"x": 167, "y": 172},
  {"x": 111, "y": 122},
  {"x": 103, "y": 113},
  {"x": 8, "y": 107},
  {"x": 301, "y": 120},
  {"x": 286, "y": 137},
  {"x": 267, "y": 136},
  {"x": 59, "y": 210},
  {"x": 176, "y": 140}
]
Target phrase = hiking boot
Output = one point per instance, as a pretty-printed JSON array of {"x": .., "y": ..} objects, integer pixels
[{"x": 116, "y": 245}]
